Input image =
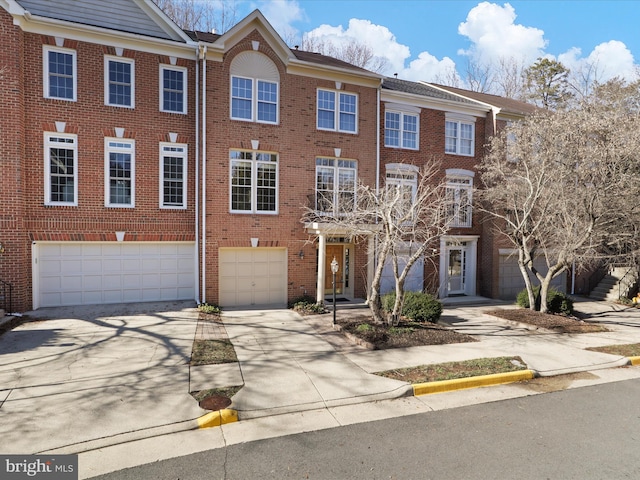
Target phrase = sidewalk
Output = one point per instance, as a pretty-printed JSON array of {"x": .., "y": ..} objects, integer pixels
[{"x": 93, "y": 379}]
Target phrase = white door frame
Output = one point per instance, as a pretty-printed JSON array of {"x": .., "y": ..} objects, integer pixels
[{"x": 469, "y": 246}]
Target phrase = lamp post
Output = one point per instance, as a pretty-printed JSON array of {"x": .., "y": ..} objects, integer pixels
[{"x": 334, "y": 270}]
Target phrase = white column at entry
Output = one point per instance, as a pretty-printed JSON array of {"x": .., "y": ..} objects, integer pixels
[{"x": 322, "y": 254}]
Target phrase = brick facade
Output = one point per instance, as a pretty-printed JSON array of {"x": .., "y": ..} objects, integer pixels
[{"x": 295, "y": 139}]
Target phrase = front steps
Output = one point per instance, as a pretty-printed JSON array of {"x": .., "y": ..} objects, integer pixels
[{"x": 616, "y": 284}]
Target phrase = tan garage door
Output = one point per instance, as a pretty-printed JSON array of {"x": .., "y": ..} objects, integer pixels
[
  {"x": 85, "y": 273},
  {"x": 253, "y": 277}
]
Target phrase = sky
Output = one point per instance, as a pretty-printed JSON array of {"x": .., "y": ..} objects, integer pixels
[{"x": 426, "y": 39}]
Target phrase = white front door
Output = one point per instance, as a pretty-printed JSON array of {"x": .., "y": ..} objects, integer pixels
[
  {"x": 458, "y": 260},
  {"x": 456, "y": 270}
]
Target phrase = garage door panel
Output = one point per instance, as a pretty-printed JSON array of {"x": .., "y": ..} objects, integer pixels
[
  {"x": 94, "y": 273},
  {"x": 252, "y": 276}
]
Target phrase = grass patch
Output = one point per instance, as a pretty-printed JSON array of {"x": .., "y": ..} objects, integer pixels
[
  {"x": 628, "y": 350},
  {"x": 453, "y": 370},
  {"x": 209, "y": 352}
]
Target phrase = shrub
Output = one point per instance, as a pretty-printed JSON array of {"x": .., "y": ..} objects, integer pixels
[
  {"x": 209, "y": 308},
  {"x": 307, "y": 305},
  {"x": 418, "y": 306},
  {"x": 557, "y": 302}
]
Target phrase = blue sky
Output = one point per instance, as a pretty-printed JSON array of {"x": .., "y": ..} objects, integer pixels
[{"x": 424, "y": 39}]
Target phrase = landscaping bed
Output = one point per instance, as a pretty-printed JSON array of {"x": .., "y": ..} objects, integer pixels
[
  {"x": 557, "y": 323},
  {"x": 361, "y": 329}
]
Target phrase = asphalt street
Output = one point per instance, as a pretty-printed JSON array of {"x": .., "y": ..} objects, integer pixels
[{"x": 582, "y": 433}]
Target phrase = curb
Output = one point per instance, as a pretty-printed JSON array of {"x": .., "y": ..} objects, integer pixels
[
  {"x": 217, "y": 418},
  {"x": 473, "y": 382},
  {"x": 634, "y": 360}
]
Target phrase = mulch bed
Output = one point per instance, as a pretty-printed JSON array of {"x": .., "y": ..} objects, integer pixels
[
  {"x": 362, "y": 330},
  {"x": 556, "y": 323}
]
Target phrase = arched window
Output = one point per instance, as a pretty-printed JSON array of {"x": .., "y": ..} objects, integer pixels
[{"x": 255, "y": 88}]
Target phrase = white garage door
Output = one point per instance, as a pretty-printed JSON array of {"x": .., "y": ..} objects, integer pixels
[
  {"x": 94, "y": 273},
  {"x": 253, "y": 277},
  {"x": 511, "y": 281}
]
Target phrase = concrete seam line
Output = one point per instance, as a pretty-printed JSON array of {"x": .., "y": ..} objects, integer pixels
[
  {"x": 634, "y": 360},
  {"x": 215, "y": 419},
  {"x": 471, "y": 382}
]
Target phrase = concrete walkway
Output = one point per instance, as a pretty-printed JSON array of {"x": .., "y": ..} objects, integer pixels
[{"x": 86, "y": 378}]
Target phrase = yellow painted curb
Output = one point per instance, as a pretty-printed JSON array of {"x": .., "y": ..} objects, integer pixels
[
  {"x": 471, "y": 382},
  {"x": 634, "y": 360},
  {"x": 215, "y": 419}
]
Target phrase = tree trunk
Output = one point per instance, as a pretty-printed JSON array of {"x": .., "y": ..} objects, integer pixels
[{"x": 527, "y": 280}]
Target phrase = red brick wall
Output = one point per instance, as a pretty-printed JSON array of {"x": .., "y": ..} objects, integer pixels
[
  {"x": 15, "y": 260},
  {"x": 431, "y": 150},
  {"x": 92, "y": 121},
  {"x": 298, "y": 142}
]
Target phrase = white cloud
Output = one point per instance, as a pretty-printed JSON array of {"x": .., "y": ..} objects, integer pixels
[
  {"x": 281, "y": 14},
  {"x": 495, "y": 35},
  {"x": 607, "y": 60}
]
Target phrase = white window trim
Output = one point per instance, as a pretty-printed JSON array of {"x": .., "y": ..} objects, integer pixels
[
  {"x": 164, "y": 67},
  {"x": 45, "y": 69},
  {"x": 131, "y": 61},
  {"x": 467, "y": 175},
  {"x": 107, "y": 186},
  {"x": 184, "y": 157},
  {"x": 336, "y": 177},
  {"x": 404, "y": 170},
  {"x": 336, "y": 112},
  {"x": 460, "y": 119},
  {"x": 254, "y": 100},
  {"x": 402, "y": 115},
  {"x": 47, "y": 170},
  {"x": 254, "y": 182}
]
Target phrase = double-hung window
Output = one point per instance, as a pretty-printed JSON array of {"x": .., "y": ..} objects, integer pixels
[
  {"x": 337, "y": 111},
  {"x": 61, "y": 169},
  {"x": 402, "y": 186},
  {"x": 335, "y": 185},
  {"x": 173, "y": 89},
  {"x": 254, "y": 100},
  {"x": 459, "y": 188},
  {"x": 60, "y": 73},
  {"x": 173, "y": 175},
  {"x": 459, "y": 136},
  {"x": 119, "y": 168},
  {"x": 400, "y": 130},
  {"x": 253, "y": 182},
  {"x": 119, "y": 82}
]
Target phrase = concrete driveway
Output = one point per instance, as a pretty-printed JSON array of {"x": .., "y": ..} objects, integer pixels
[{"x": 79, "y": 377}]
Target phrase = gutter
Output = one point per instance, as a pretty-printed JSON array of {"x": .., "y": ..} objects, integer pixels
[
  {"x": 197, "y": 189},
  {"x": 203, "y": 57}
]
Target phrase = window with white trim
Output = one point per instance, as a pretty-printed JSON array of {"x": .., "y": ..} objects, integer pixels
[
  {"x": 253, "y": 182},
  {"x": 459, "y": 190},
  {"x": 61, "y": 169},
  {"x": 60, "y": 73},
  {"x": 173, "y": 175},
  {"x": 254, "y": 100},
  {"x": 404, "y": 177},
  {"x": 459, "y": 136},
  {"x": 173, "y": 89},
  {"x": 400, "y": 130},
  {"x": 119, "y": 82},
  {"x": 119, "y": 169},
  {"x": 337, "y": 111},
  {"x": 255, "y": 88},
  {"x": 335, "y": 185}
]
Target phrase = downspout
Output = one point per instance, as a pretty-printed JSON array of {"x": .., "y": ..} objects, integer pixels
[
  {"x": 203, "y": 56},
  {"x": 197, "y": 189}
]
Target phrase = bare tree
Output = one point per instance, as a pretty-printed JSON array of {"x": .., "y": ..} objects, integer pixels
[
  {"x": 562, "y": 186},
  {"x": 216, "y": 16},
  {"x": 392, "y": 216},
  {"x": 508, "y": 79},
  {"x": 351, "y": 51}
]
